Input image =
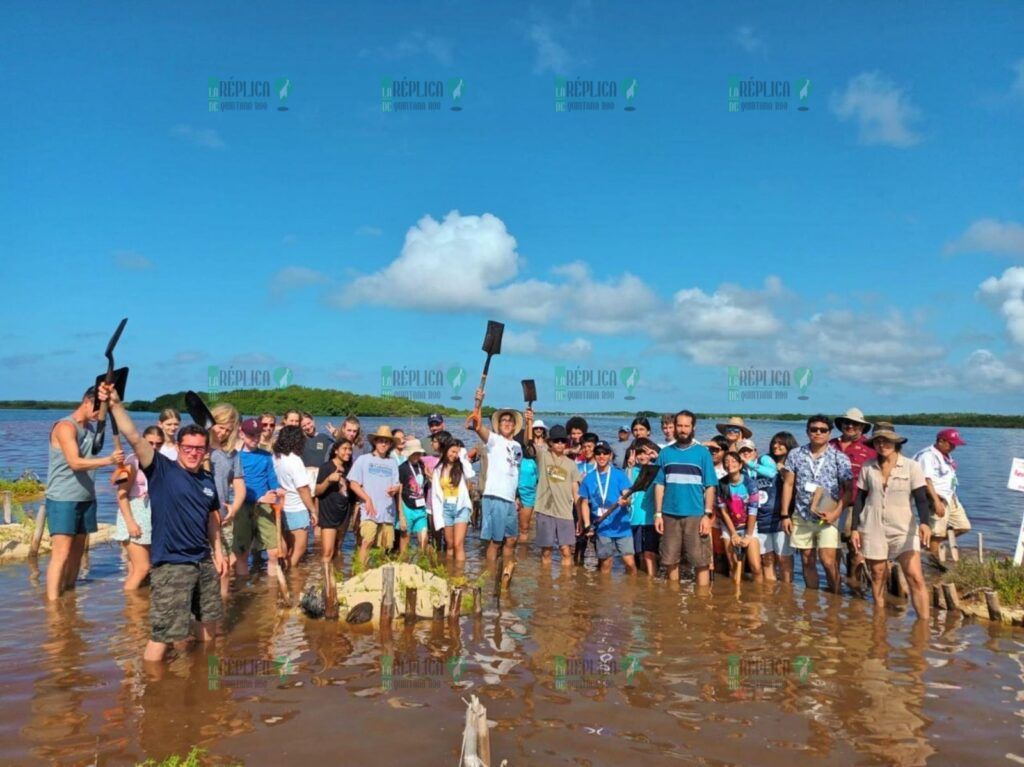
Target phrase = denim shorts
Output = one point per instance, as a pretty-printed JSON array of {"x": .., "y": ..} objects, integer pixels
[
  {"x": 296, "y": 520},
  {"x": 501, "y": 520},
  {"x": 614, "y": 547},
  {"x": 453, "y": 515},
  {"x": 70, "y": 517}
]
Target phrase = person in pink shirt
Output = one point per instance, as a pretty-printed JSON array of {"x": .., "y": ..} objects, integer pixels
[{"x": 134, "y": 528}]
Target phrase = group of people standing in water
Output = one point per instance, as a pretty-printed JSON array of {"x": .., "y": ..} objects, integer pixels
[{"x": 199, "y": 506}]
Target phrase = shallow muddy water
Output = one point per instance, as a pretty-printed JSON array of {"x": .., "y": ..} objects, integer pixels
[{"x": 573, "y": 667}]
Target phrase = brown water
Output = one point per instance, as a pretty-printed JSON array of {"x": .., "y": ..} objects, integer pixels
[{"x": 574, "y": 668}]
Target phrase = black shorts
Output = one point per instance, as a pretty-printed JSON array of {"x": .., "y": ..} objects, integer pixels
[{"x": 332, "y": 518}]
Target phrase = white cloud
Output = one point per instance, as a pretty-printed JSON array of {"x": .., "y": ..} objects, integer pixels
[
  {"x": 528, "y": 343},
  {"x": 551, "y": 56},
  {"x": 132, "y": 261},
  {"x": 1006, "y": 295},
  {"x": 295, "y": 277},
  {"x": 458, "y": 264},
  {"x": 747, "y": 39},
  {"x": 204, "y": 137},
  {"x": 989, "y": 235},
  {"x": 987, "y": 372},
  {"x": 411, "y": 45},
  {"x": 883, "y": 111}
]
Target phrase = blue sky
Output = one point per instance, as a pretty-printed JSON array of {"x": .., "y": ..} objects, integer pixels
[{"x": 875, "y": 238}]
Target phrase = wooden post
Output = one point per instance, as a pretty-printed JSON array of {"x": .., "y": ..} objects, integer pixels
[
  {"x": 469, "y": 758},
  {"x": 7, "y": 507},
  {"x": 952, "y": 598},
  {"x": 938, "y": 597},
  {"x": 506, "y": 574},
  {"x": 455, "y": 605},
  {"x": 410, "y": 606},
  {"x": 478, "y": 602},
  {"x": 439, "y": 613},
  {"x": 981, "y": 548},
  {"x": 483, "y": 735},
  {"x": 387, "y": 600},
  {"x": 476, "y": 739},
  {"x": 37, "y": 536},
  {"x": 995, "y": 610}
]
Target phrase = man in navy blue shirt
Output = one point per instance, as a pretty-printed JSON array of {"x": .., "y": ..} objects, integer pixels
[{"x": 186, "y": 529}]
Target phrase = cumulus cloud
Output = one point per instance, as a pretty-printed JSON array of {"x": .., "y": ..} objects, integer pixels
[
  {"x": 883, "y": 112},
  {"x": 987, "y": 372},
  {"x": 529, "y": 343},
  {"x": 458, "y": 264},
  {"x": 1006, "y": 295},
  {"x": 989, "y": 235},
  {"x": 207, "y": 138},
  {"x": 746, "y": 38}
]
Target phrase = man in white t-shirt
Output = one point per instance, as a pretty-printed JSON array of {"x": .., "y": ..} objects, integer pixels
[
  {"x": 940, "y": 473},
  {"x": 504, "y": 455}
]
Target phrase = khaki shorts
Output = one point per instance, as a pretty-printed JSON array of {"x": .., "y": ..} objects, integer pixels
[
  {"x": 382, "y": 534},
  {"x": 244, "y": 529},
  {"x": 682, "y": 536},
  {"x": 266, "y": 526},
  {"x": 883, "y": 542},
  {"x": 955, "y": 519},
  {"x": 811, "y": 535}
]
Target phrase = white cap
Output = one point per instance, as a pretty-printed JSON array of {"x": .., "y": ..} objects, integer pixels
[{"x": 539, "y": 424}]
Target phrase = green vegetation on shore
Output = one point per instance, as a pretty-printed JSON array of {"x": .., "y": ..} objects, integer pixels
[
  {"x": 23, "y": 489},
  {"x": 332, "y": 402},
  {"x": 999, "y": 574}
]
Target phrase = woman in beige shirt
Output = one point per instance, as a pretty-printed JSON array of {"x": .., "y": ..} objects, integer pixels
[{"x": 883, "y": 521}]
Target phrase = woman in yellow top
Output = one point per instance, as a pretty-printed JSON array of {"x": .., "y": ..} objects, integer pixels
[{"x": 449, "y": 498}]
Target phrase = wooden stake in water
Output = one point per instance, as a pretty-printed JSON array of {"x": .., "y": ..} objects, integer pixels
[
  {"x": 37, "y": 535},
  {"x": 7, "y": 507}
]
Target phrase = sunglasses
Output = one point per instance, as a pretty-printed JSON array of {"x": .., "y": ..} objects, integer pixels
[
  {"x": 818, "y": 430},
  {"x": 559, "y": 442},
  {"x": 734, "y": 431},
  {"x": 714, "y": 449},
  {"x": 193, "y": 449}
]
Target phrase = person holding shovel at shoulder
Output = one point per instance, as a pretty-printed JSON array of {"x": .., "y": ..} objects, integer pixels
[
  {"x": 604, "y": 509},
  {"x": 71, "y": 492},
  {"x": 188, "y": 560},
  {"x": 504, "y": 455}
]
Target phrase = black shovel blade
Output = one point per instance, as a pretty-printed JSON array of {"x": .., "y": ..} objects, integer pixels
[
  {"x": 197, "y": 409},
  {"x": 529, "y": 390},
  {"x": 492, "y": 341},
  {"x": 109, "y": 353},
  {"x": 120, "y": 380}
]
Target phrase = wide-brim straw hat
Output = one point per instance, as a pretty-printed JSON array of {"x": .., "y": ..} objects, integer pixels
[
  {"x": 496, "y": 415},
  {"x": 886, "y": 431},
  {"x": 412, "y": 446},
  {"x": 383, "y": 432},
  {"x": 732, "y": 423},
  {"x": 854, "y": 415}
]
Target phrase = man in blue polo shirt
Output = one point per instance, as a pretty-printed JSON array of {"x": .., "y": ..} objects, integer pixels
[
  {"x": 684, "y": 501},
  {"x": 186, "y": 528}
]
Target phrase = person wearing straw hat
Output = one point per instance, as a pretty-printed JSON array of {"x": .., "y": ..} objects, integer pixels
[
  {"x": 500, "y": 526},
  {"x": 734, "y": 430},
  {"x": 883, "y": 523},
  {"x": 854, "y": 445},
  {"x": 374, "y": 481},
  {"x": 412, "y": 512}
]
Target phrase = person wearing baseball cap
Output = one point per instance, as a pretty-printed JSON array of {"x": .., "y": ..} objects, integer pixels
[
  {"x": 620, "y": 448},
  {"x": 558, "y": 482},
  {"x": 435, "y": 424},
  {"x": 605, "y": 511},
  {"x": 949, "y": 519}
]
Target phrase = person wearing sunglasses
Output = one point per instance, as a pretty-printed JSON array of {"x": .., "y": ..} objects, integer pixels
[
  {"x": 808, "y": 469},
  {"x": 188, "y": 559},
  {"x": 268, "y": 422},
  {"x": 717, "y": 445}
]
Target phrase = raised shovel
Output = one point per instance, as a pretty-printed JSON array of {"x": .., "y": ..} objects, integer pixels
[
  {"x": 119, "y": 378},
  {"x": 529, "y": 392},
  {"x": 198, "y": 410},
  {"x": 492, "y": 345},
  {"x": 101, "y": 422}
]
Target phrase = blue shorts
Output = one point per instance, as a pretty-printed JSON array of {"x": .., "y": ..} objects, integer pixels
[
  {"x": 528, "y": 495},
  {"x": 453, "y": 516},
  {"x": 501, "y": 520},
  {"x": 553, "y": 532},
  {"x": 296, "y": 520},
  {"x": 70, "y": 517},
  {"x": 415, "y": 520},
  {"x": 614, "y": 547},
  {"x": 645, "y": 538}
]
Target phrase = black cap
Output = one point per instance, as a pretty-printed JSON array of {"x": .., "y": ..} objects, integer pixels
[
  {"x": 602, "y": 447},
  {"x": 558, "y": 432},
  {"x": 435, "y": 418}
]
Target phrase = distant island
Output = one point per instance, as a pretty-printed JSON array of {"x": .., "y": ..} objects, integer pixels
[{"x": 335, "y": 403}]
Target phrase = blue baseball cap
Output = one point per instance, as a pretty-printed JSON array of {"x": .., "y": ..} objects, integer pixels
[{"x": 435, "y": 418}]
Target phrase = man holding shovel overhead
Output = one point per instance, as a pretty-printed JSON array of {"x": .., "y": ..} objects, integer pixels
[
  {"x": 71, "y": 492},
  {"x": 186, "y": 529},
  {"x": 504, "y": 455}
]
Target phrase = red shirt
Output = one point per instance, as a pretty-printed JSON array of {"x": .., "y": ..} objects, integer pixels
[{"x": 859, "y": 453}]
